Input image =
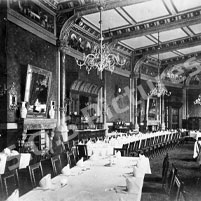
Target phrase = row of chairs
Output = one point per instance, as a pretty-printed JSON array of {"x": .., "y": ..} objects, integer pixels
[
  {"x": 167, "y": 187},
  {"x": 28, "y": 178},
  {"x": 150, "y": 147}
]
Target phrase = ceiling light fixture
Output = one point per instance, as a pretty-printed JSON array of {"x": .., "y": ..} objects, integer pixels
[
  {"x": 159, "y": 90},
  {"x": 101, "y": 57}
]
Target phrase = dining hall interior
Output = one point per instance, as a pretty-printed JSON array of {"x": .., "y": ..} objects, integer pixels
[{"x": 100, "y": 100}]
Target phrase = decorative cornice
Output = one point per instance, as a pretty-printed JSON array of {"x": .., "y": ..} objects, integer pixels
[
  {"x": 169, "y": 46},
  {"x": 167, "y": 23},
  {"x": 30, "y": 26},
  {"x": 180, "y": 59}
]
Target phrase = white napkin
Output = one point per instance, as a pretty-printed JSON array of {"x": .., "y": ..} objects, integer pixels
[
  {"x": 46, "y": 182},
  {"x": 80, "y": 163},
  {"x": 118, "y": 154},
  {"x": 14, "y": 153},
  {"x": 138, "y": 172},
  {"x": 64, "y": 181},
  {"x": 14, "y": 196},
  {"x": 24, "y": 160},
  {"x": 94, "y": 157},
  {"x": 66, "y": 170},
  {"x": 134, "y": 184},
  {"x": 3, "y": 158},
  {"x": 7, "y": 151}
]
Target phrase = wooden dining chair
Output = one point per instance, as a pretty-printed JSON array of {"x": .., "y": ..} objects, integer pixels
[
  {"x": 56, "y": 164},
  {"x": 71, "y": 159},
  {"x": 176, "y": 189},
  {"x": 155, "y": 183},
  {"x": 36, "y": 173},
  {"x": 9, "y": 182},
  {"x": 82, "y": 152}
]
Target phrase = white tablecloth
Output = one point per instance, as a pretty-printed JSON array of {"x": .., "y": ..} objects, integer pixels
[
  {"x": 99, "y": 181},
  {"x": 195, "y": 134}
]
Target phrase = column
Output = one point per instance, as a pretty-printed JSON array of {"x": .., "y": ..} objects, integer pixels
[
  {"x": 162, "y": 112},
  {"x": 132, "y": 100},
  {"x": 105, "y": 104},
  {"x": 61, "y": 129},
  {"x": 135, "y": 103}
]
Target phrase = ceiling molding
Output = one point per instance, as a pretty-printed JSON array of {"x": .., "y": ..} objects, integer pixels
[
  {"x": 164, "y": 24},
  {"x": 170, "y": 46},
  {"x": 180, "y": 59},
  {"x": 93, "y": 7}
]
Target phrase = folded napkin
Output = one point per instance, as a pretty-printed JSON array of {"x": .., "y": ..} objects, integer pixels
[
  {"x": 64, "y": 181},
  {"x": 24, "y": 160},
  {"x": 3, "y": 158},
  {"x": 118, "y": 154},
  {"x": 46, "y": 182},
  {"x": 94, "y": 157},
  {"x": 14, "y": 196},
  {"x": 7, "y": 151},
  {"x": 80, "y": 163},
  {"x": 66, "y": 170},
  {"x": 14, "y": 153},
  {"x": 134, "y": 185},
  {"x": 138, "y": 172}
]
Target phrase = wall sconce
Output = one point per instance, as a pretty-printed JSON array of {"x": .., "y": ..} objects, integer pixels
[
  {"x": 3, "y": 89},
  {"x": 118, "y": 91},
  {"x": 12, "y": 94}
]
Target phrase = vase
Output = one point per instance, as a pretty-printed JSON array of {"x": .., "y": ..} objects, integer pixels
[
  {"x": 23, "y": 110},
  {"x": 51, "y": 112}
]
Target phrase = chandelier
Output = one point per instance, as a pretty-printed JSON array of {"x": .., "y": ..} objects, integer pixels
[
  {"x": 101, "y": 57},
  {"x": 159, "y": 90},
  {"x": 198, "y": 101}
]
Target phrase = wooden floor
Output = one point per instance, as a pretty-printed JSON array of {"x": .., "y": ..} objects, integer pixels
[{"x": 188, "y": 170}]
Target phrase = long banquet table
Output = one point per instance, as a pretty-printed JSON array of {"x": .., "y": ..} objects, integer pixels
[{"x": 97, "y": 180}]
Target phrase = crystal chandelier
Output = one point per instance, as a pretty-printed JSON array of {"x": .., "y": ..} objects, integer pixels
[
  {"x": 198, "y": 101},
  {"x": 101, "y": 57},
  {"x": 159, "y": 90}
]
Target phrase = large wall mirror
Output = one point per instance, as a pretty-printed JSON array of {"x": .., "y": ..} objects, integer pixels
[{"x": 37, "y": 90}]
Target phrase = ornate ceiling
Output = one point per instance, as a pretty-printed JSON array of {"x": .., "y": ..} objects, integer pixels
[{"x": 132, "y": 27}]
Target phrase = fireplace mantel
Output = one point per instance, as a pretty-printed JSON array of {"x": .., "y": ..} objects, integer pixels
[{"x": 38, "y": 124}]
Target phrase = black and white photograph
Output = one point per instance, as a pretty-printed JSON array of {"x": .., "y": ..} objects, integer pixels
[{"x": 100, "y": 100}]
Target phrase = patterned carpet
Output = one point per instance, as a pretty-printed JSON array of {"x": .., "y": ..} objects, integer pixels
[{"x": 188, "y": 171}]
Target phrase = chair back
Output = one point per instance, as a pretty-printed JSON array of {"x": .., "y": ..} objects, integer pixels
[
  {"x": 9, "y": 182},
  {"x": 165, "y": 169},
  {"x": 56, "y": 164},
  {"x": 36, "y": 173},
  {"x": 71, "y": 159},
  {"x": 170, "y": 179},
  {"x": 82, "y": 151},
  {"x": 176, "y": 189}
]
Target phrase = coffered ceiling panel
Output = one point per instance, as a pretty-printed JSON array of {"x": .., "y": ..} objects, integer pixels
[
  {"x": 138, "y": 42},
  {"x": 196, "y": 28},
  {"x": 110, "y": 19},
  {"x": 170, "y": 35},
  {"x": 147, "y": 10},
  {"x": 191, "y": 49},
  {"x": 183, "y": 5},
  {"x": 165, "y": 55}
]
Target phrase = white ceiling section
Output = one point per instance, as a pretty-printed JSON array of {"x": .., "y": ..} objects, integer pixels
[
  {"x": 196, "y": 28},
  {"x": 165, "y": 55},
  {"x": 170, "y": 35},
  {"x": 183, "y": 5},
  {"x": 136, "y": 14},
  {"x": 110, "y": 19},
  {"x": 147, "y": 10},
  {"x": 138, "y": 42},
  {"x": 191, "y": 49}
]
